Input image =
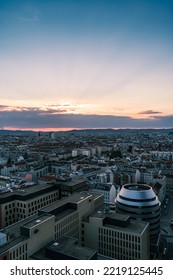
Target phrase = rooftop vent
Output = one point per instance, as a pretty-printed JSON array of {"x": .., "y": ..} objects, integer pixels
[{"x": 55, "y": 244}]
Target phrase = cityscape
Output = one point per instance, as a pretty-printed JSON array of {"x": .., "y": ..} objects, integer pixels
[
  {"x": 86, "y": 130},
  {"x": 86, "y": 194}
]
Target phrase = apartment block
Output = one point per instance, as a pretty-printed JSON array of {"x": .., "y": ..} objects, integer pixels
[{"x": 109, "y": 191}]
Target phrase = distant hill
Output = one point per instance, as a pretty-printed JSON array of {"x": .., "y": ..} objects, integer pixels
[
  {"x": 89, "y": 131},
  {"x": 17, "y": 132}
]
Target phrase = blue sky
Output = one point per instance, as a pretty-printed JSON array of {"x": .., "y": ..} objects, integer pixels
[{"x": 86, "y": 63}]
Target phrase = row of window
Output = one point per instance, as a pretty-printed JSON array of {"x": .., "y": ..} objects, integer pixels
[
  {"x": 119, "y": 235},
  {"x": 23, "y": 205},
  {"x": 118, "y": 244},
  {"x": 9, "y": 206},
  {"x": 69, "y": 226},
  {"x": 19, "y": 253},
  {"x": 122, "y": 255},
  {"x": 21, "y": 213},
  {"x": 43, "y": 199}
]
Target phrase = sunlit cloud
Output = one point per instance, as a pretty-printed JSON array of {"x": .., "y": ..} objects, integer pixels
[
  {"x": 50, "y": 108},
  {"x": 68, "y": 107},
  {"x": 57, "y": 118}
]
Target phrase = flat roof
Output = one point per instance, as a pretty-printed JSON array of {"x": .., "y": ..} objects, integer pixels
[
  {"x": 66, "y": 246},
  {"x": 132, "y": 227},
  {"x": 37, "y": 220},
  {"x": 14, "y": 229},
  {"x": 63, "y": 214},
  {"x": 11, "y": 244},
  {"x": 72, "y": 182},
  {"x": 73, "y": 198},
  {"x": 113, "y": 215},
  {"x": 21, "y": 193},
  {"x": 137, "y": 187}
]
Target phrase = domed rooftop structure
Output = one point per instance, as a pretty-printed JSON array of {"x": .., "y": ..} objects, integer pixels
[{"x": 140, "y": 203}]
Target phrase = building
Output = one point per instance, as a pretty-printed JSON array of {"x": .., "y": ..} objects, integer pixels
[
  {"x": 140, "y": 202},
  {"x": 109, "y": 191},
  {"x": 62, "y": 218},
  {"x": 20, "y": 203},
  {"x": 65, "y": 248},
  {"x": 71, "y": 186},
  {"x": 116, "y": 236}
]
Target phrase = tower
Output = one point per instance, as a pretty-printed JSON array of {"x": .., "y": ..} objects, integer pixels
[{"x": 140, "y": 202}]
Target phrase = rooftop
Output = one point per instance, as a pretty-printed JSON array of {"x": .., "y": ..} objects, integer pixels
[
  {"x": 37, "y": 220},
  {"x": 121, "y": 222},
  {"x": 73, "y": 199},
  {"x": 65, "y": 248},
  {"x": 137, "y": 187},
  {"x": 24, "y": 193}
]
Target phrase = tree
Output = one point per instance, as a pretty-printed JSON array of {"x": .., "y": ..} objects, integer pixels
[
  {"x": 116, "y": 154},
  {"x": 9, "y": 161}
]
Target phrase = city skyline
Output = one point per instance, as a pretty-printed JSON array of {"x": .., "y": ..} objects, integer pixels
[{"x": 86, "y": 64}]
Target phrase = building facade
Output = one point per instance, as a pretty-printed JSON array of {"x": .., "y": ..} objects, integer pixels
[
  {"x": 116, "y": 236},
  {"x": 24, "y": 202},
  {"x": 62, "y": 218}
]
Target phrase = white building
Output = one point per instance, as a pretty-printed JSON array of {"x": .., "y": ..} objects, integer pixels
[
  {"x": 86, "y": 152},
  {"x": 162, "y": 155},
  {"x": 75, "y": 153},
  {"x": 109, "y": 191}
]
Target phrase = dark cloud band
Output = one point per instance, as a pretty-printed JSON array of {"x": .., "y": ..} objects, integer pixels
[{"x": 24, "y": 118}]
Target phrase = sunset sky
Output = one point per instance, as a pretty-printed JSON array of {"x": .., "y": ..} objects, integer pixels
[{"x": 86, "y": 64}]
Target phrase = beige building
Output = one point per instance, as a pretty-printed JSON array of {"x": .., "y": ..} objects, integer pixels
[
  {"x": 77, "y": 216},
  {"x": 116, "y": 236},
  {"x": 62, "y": 218},
  {"x": 24, "y": 202},
  {"x": 35, "y": 233}
]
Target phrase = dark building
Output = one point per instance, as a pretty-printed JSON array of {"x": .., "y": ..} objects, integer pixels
[{"x": 71, "y": 186}]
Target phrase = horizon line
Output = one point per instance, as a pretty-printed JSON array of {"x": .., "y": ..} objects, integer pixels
[{"x": 79, "y": 129}]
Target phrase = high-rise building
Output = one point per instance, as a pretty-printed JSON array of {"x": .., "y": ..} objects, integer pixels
[{"x": 140, "y": 202}]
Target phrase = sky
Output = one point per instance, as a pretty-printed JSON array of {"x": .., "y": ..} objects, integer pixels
[{"x": 86, "y": 64}]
